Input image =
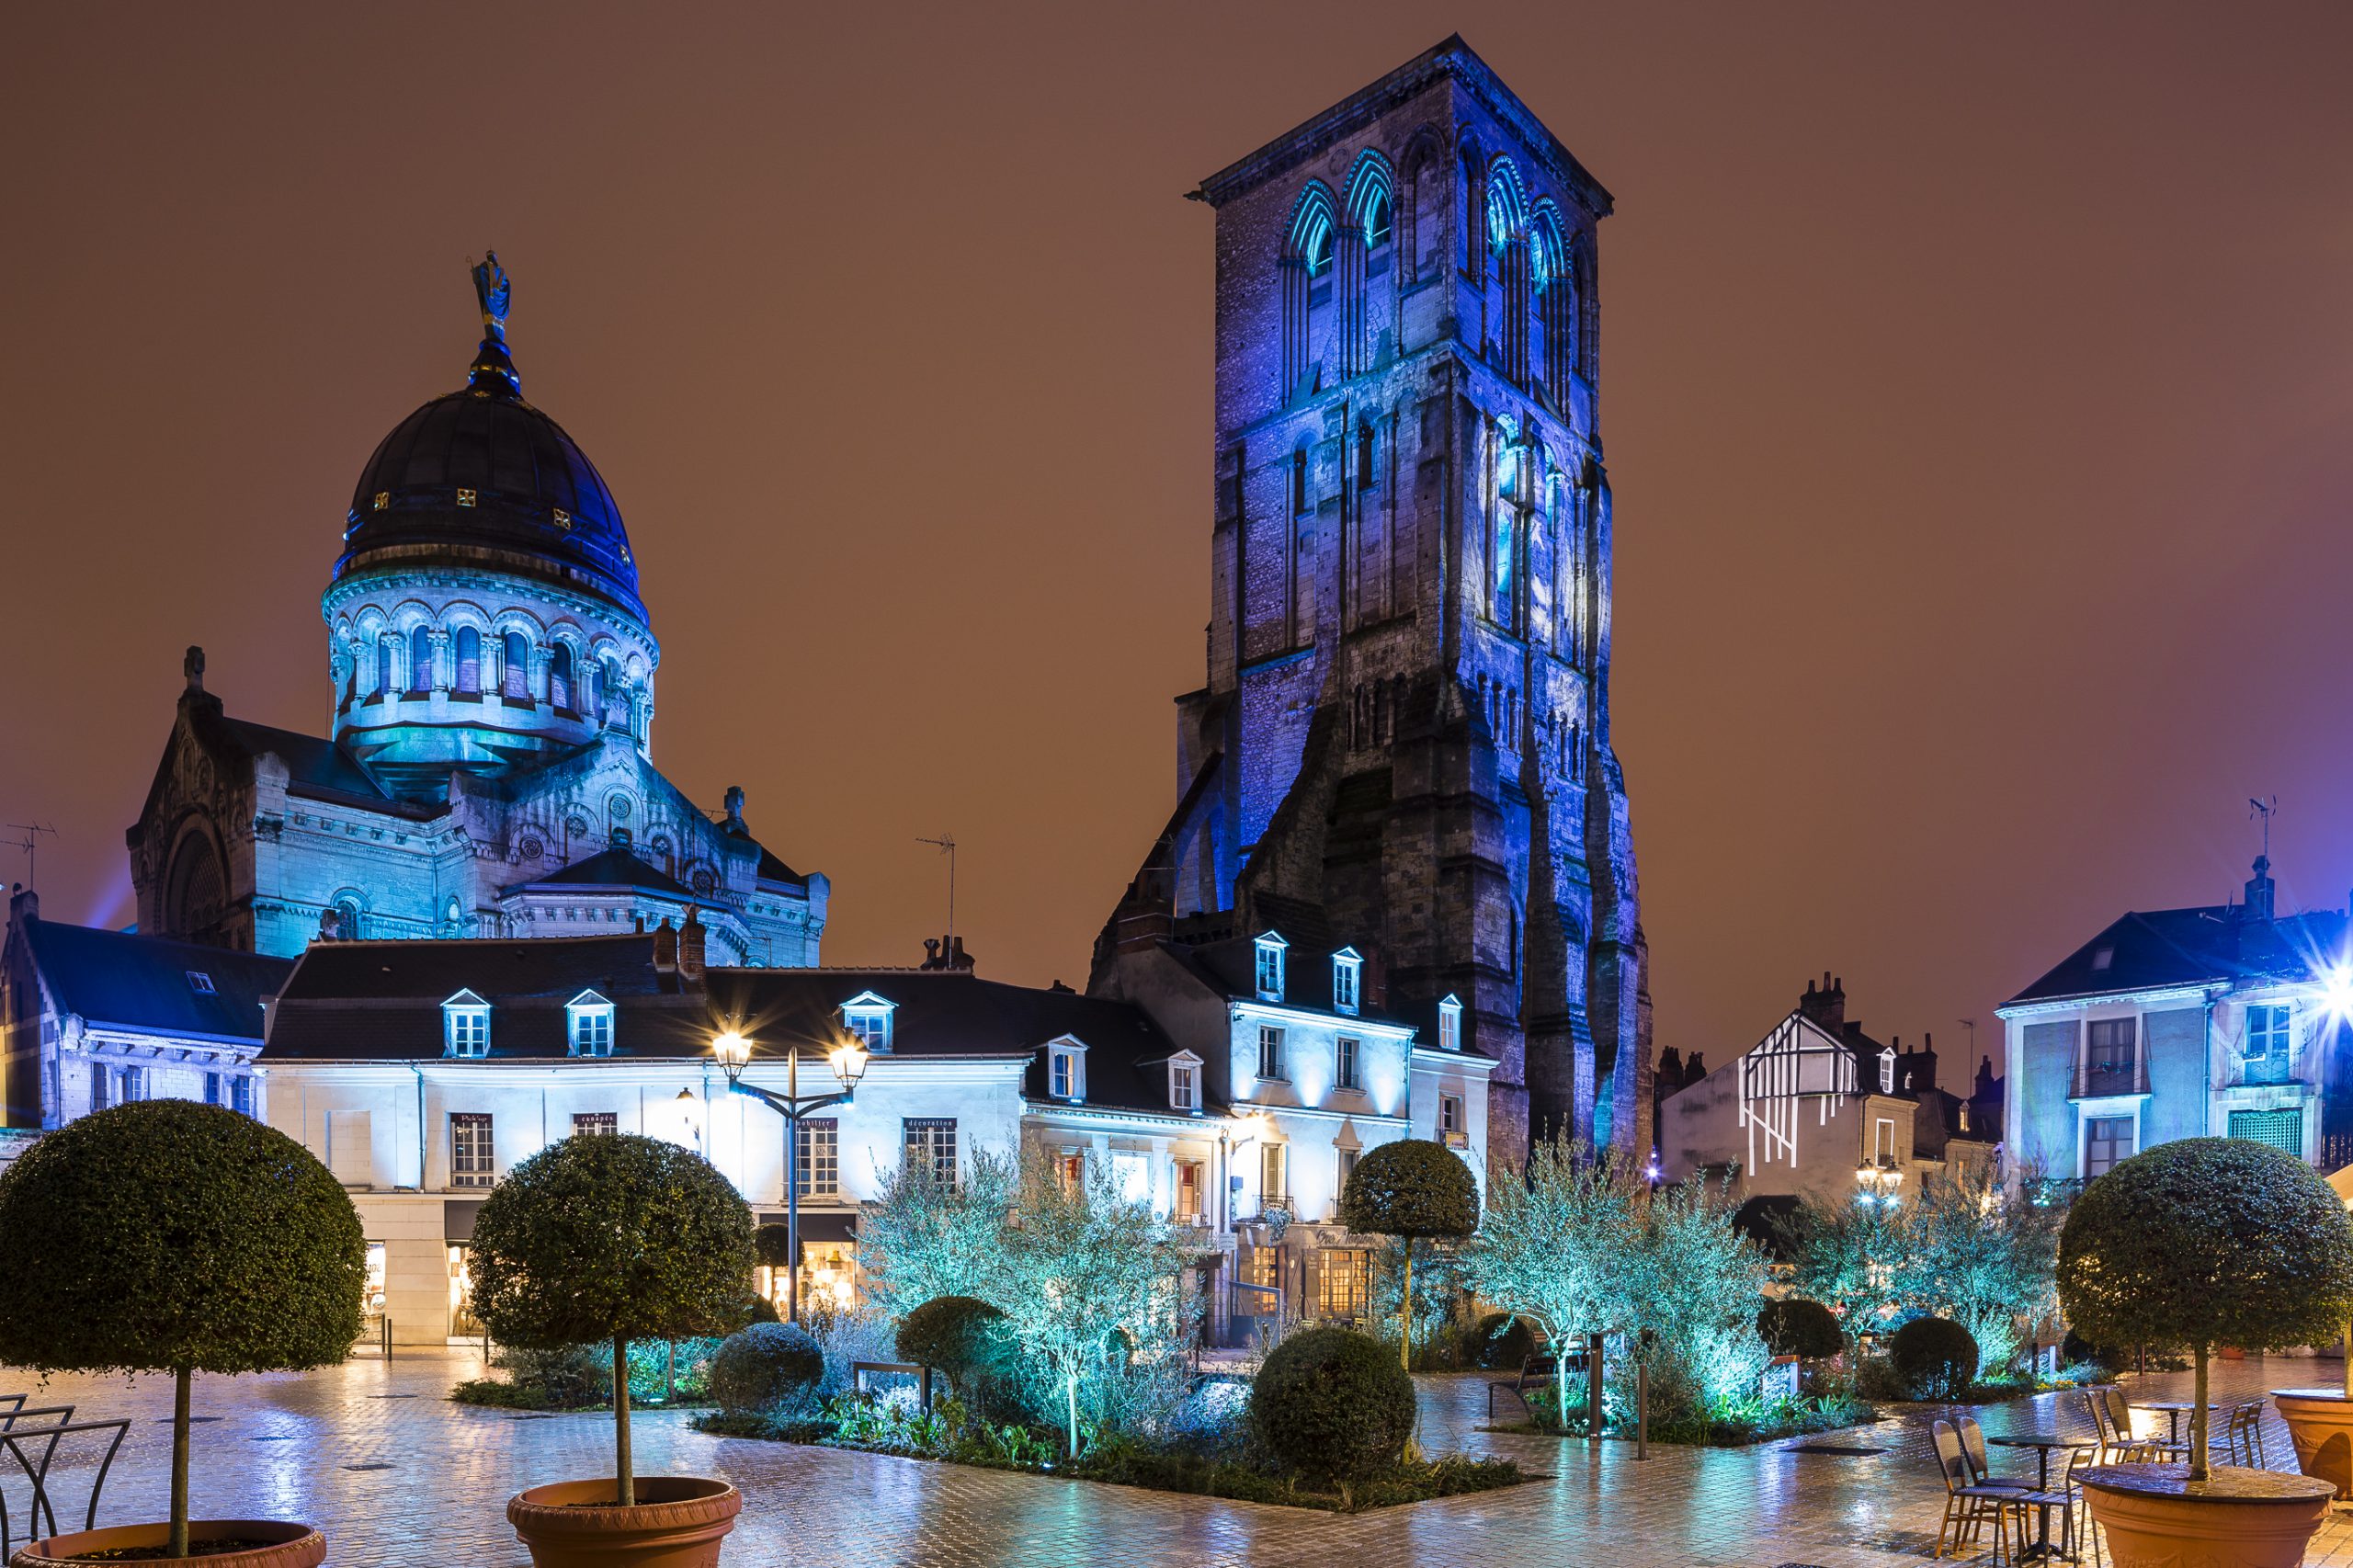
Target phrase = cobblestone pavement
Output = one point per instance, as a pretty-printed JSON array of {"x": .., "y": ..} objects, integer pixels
[{"x": 374, "y": 1454}]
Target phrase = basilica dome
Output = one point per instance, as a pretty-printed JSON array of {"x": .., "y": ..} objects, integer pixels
[{"x": 481, "y": 478}]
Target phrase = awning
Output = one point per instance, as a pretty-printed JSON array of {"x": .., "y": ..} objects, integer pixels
[{"x": 820, "y": 1225}]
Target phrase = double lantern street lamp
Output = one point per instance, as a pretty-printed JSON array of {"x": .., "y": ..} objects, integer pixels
[{"x": 848, "y": 1062}]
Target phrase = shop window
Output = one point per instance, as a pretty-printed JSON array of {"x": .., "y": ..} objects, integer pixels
[
  {"x": 1344, "y": 1276},
  {"x": 462, "y": 1322}
]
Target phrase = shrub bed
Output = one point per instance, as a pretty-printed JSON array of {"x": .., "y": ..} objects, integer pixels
[{"x": 766, "y": 1366}]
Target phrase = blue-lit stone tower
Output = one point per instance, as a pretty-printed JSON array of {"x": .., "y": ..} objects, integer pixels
[
  {"x": 1404, "y": 734},
  {"x": 489, "y": 768}
]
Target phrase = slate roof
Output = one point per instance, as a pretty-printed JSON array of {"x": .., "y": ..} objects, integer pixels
[
  {"x": 120, "y": 980},
  {"x": 311, "y": 763},
  {"x": 612, "y": 869},
  {"x": 381, "y": 1002},
  {"x": 2214, "y": 944}
]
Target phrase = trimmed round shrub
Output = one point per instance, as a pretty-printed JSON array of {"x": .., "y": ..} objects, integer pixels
[
  {"x": 1936, "y": 1357},
  {"x": 610, "y": 1240},
  {"x": 1504, "y": 1341},
  {"x": 772, "y": 1245},
  {"x": 764, "y": 1366},
  {"x": 1332, "y": 1404},
  {"x": 1411, "y": 1188},
  {"x": 168, "y": 1236},
  {"x": 1795, "y": 1327},
  {"x": 955, "y": 1335},
  {"x": 759, "y": 1309}
]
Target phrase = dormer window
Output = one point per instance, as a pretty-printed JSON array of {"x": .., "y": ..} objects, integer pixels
[
  {"x": 868, "y": 1017},
  {"x": 1270, "y": 966},
  {"x": 1066, "y": 1069},
  {"x": 589, "y": 1018},
  {"x": 1449, "y": 1023},
  {"x": 1185, "y": 1082},
  {"x": 1887, "y": 1070},
  {"x": 1347, "y": 971},
  {"x": 200, "y": 982},
  {"x": 465, "y": 1026}
]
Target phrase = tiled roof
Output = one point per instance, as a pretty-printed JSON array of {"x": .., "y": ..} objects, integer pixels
[
  {"x": 130, "y": 982},
  {"x": 2215, "y": 944},
  {"x": 381, "y": 1001}
]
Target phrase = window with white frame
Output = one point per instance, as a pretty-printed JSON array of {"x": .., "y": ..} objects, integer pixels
[
  {"x": 1184, "y": 1085},
  {"x": 1451, "y": 1129},
  {"x": 1348, "y": 971},
  {"x": 1883, "y": 1142},
  {"x": 930, "y": 1142},
  {"x": 1347, "y": 1070},
  {"x": 1271, "y": 1169},
  {"x": 2108, "y": 1142},
  {"x": 1346, "y": 1165},
  {"x": 101, "y": 1082},
  {"x": 1270, "y": 966},
  {"x": 241, "y": 1095},
  {"x": 867, "y": 1016},
  {"x": 595, "y": 1123},
  {"x": 817, "y": 1156},
  {"x": 465, "y": 1025},
  {"x": 1066, "y": 1070},
  {"x": 1270, "y": 1051},
  {"x": 471, "y": 1159},
  {"x": 132, "y": 1086},
  {"x": 1449, "y": 1023},
  {"x": 591, "y": 1020},
  {"x": 2267, "y": 1043},
  {"x": 1887, "y": 1070}
]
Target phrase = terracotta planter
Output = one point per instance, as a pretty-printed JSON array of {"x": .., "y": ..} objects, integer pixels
[
  {"x": 292, "y": 1546},
  {"x": 678, "y": 1522},
  {"x": 2155, "y": 1517},
  {"x": 2321, "y": 1423}
]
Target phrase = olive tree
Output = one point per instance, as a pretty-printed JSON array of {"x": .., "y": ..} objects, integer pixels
[
  {"x": 2207, "y": 1241},
  {"x": 168, "y": 1236},
  {"x": 1982, "y": 1252},
  {"x": 923, "y": 1238},
  {"x": 1412, "y": 1189},
  {"x": 612, "y": 1239},
  {"x": 1558, "y": 1242}
]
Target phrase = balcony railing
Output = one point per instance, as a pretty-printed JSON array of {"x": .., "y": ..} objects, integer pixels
[{"x": 2095, "y": 1080}]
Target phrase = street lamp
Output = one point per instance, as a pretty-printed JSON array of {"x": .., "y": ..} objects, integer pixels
[{"x": 848, "y": 1062}]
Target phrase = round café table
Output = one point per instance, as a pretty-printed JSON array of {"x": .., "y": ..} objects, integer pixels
[
  {"x": 2044, "y": 1443},
  {"x": 2175, "y": 1409}
]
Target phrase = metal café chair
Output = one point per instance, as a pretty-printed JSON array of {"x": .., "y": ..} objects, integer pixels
[
  {"x": 1970, "y": 1506},
  {"x": 2151, "y": 1448},
  {"x": 1973, "y": 1449}
]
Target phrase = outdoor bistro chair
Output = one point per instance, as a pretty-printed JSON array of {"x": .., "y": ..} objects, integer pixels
[
  {"x": 2242, "y": 1439},
  {"x": 2116, "y": 1443},
  {"x": 1973, "y": 1449},
  {"x": 1970, "y": 1504}
]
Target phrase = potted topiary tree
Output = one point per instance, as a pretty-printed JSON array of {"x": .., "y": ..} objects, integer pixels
[
  {"x": 2202, "y": 1243},
  {"x": 609, "y": 1239},
  {"x": 168, "y": 1236},
  {"x": 1411, "y": 1188}
]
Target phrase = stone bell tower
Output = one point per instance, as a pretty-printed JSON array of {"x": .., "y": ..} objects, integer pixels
[{"x": 1405, "y": 720}]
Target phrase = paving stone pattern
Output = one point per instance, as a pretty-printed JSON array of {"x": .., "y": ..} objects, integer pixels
[{"x": 395, "y": 1474}]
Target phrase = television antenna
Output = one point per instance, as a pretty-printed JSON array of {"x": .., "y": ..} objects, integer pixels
[
  {"x": 1970, "y": 1025},
  {"x": 30, "y": 845},
  {"x": 2267, "y": 809},
  {"x": 946, "y": 845}
]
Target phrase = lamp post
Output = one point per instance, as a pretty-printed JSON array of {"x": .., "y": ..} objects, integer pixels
[{"x": 848, "y": 1062}]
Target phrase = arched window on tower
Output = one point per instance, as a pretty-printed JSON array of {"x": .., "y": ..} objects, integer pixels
[
  {"x": 420, "y": 661},
  {"x": 469, "y": 676},
  {"x": 386, "y": 657},
  {"x": 1552, "y": 324},
  {"x": 1306, "y": 267},
  {"x": 515, "y": 672},
  {"x": 1361, "y": 268},
  {"x": 612, "y": 703},
  {"x": 560, "y": 676}
]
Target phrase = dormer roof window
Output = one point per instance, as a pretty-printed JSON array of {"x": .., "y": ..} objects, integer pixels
[
  {"x": 589, "y": 1020},
  {"x": 200, "y": 982},
  {"x": 867, "y": 1016},
  {"x": 1887, "y": 1070},
  {"x": 1066, "y": 1069},
  {"x": 1270, "y": 966},
  {"x": 1347, "y": 977},
  {"x": 1185, "y": 1082},
  {"x": 1449, "y": 1023},
  {"x": 465, "y": 1026}
]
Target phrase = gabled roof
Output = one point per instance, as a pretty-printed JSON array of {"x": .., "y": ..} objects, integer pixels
[
  {"x": 2210, "y": 945},
  {"x": 380, "y": 1002},
  {"x": 612, "y": 869},
  {"x": 313, "y": 765},
  {"x": 128, "y": 982}
]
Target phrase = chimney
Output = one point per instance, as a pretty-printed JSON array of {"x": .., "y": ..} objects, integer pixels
[
  {"x": 24, "y": 904},
  {"x": 1826, "y": 1007},
  {"x": 958, "y": 959},
  {"x": 666, "y": 949},
  {"x": 192, "y": 667},
  {"x": 2259, "y": 889},
  {"x": 1984, "y": 1078},
  {"x": 736, "y": 807},
  {"x": 690, "y": 949}
]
